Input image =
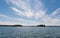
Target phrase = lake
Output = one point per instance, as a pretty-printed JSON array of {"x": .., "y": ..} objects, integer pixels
[{"x": 29, "y": 32}]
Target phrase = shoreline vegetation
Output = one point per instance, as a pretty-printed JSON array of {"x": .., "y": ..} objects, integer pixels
[
  {"x": 16, "y": 25},
  {"x": 27, "y": 26}
]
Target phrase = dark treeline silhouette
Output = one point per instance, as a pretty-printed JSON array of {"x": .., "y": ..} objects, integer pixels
[
  {"x": 11, "y": 25},
  {"x": 18, "y": 25},
  {"x": 41, "y": 25}
]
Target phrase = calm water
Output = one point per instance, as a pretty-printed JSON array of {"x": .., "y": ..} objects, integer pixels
[{"x": 29, "y": 32}]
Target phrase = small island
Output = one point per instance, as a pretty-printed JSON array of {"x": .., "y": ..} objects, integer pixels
[
  {"x": 41, "y": 25},
  {"x": 19, "y": 25},
  {"x": 16, "y": 25}
]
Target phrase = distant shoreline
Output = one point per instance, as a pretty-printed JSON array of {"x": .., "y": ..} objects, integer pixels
[{"x": 24, "y": 26}]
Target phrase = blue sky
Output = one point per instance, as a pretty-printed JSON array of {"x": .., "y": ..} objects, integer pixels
[{"x": 30, "y": 12}]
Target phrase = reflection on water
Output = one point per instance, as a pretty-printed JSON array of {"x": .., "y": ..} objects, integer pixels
[{"x": 29, "y": 32}]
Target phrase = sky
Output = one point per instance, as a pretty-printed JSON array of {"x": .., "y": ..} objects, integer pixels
[{"x": 30, "y": 12}]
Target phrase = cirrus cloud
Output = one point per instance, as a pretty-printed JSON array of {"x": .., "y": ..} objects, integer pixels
[{"x": 34, "y": 9}]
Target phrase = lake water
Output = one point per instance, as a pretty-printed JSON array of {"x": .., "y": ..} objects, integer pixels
[{"x": 29, "y": 32}]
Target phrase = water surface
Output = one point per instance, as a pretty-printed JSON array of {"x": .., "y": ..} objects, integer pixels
[{"x": 29, "y": 32}]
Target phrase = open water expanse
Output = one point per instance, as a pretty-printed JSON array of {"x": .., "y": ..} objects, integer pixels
[{"x": 29, "y": 32}]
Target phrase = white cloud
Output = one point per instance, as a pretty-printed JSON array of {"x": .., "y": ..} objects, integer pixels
[
  {"x": 25, "y": 21},
  {"x": 36, "y": 11},
  {"x": 19, "y": 4},
  {"x": 5, "y": 16},
  {"x": 29, "y": 13},
  {"x": 13, "y": 23},
  {"x": 40, "y": 14},
  {"x": 25, "y": 5},
  {"x": 56, "y": 12},
  {"x": 10, "y": 23},
  {"x": 54, "y": 21},
  {"x": 10, "y": 18},
  {"x": 18, "y": 12},
  {"x": 39, "y": 5},
  {"x": 6, "y": 23}
]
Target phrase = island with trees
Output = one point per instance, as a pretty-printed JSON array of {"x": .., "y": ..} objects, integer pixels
[
  {"x": 41, "y": 25},
  {"x": 16, "y": 25},
  {"x": 19, "y": 25}
]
